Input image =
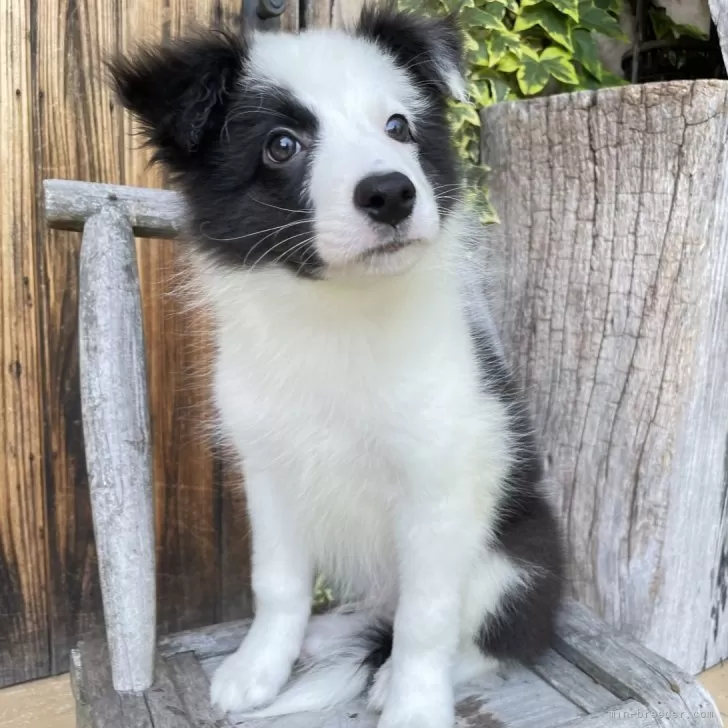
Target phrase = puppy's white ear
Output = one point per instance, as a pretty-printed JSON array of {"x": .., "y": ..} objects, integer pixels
[{"x": 430, "y": 49}]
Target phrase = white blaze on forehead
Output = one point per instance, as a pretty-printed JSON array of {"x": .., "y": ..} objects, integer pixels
[
  {"x": 352, "y": 87},
  {"x": 334, "y": 72}
]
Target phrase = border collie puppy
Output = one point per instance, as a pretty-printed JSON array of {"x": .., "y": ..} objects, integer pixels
[{"x": 357, "y": 373}]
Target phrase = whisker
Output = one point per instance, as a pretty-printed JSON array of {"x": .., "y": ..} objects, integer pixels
[
  {"x": 284, "y": 209},
  {"x": 256, "y": 232},
  {"x": 281, "y": 257},
  {"x": 277, "y": 245}
]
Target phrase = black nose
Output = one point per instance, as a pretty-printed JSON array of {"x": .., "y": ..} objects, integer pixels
[{"x": 387, "y": 198}]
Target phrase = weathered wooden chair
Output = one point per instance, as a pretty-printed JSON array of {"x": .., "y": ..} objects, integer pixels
[{"x": 593, "y": 677}]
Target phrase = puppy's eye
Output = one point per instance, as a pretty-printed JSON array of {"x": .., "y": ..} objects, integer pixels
[
  {"x": 281, "y": 147},
  {"x": 398, "y": 128}
]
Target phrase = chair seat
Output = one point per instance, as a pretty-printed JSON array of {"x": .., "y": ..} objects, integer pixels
[{"x": 592, "y": 678}]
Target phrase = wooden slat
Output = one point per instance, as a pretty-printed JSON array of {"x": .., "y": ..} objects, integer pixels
[
  {"x": 629, "y": 714},
  {"x": 515, "y": 699},
  {"x": 614, "y": 258},
  {"x": 332, "y": 13},
  {"x": 194, "y": 687},
  {"x": 152, "y": 213},
  {"x": 115, "y": 405},
  {"x": 205, "y": 642},
  {"x": 77, "y": 131},
  {"x": 24, "y": 611},
  {"x": 107, "y": 708},
  {"x": 574, "y": 683},
  {"x": 632, "y": 672},
  {"x": 164, "y": 701}
]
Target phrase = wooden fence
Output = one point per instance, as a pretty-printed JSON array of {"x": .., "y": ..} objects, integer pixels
[
  {"x": 615, "y": 307},
  {"x": 58, "y": 119}
]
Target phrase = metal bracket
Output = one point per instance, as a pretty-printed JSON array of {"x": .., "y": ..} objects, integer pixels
[{"x": 263, "y": 14}]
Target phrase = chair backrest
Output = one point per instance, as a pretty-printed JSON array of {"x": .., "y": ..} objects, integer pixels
[{"x": 115, "y": 403}]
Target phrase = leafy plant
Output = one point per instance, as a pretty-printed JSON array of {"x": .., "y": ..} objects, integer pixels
[
  {"x": 522, "y": 48},
  {"x": 665, "y": 28}
]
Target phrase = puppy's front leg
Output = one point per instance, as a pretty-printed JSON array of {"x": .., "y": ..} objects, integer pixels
[
  {"x": 437, "y": 536},
  {"x": 282, "y": 586}
]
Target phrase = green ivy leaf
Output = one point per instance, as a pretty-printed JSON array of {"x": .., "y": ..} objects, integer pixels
[
  {"x": 613, "y": 7},
  {"x": 665, "y": 27},
  {"x": 611, "y": 79},
  {"x": 556, "y": 25},
  {"x": 567, "y": 7},
  {"x": 496, "y": 9},
  {"x": 480, "y": 93},
  {"x": 510, "y": 5},
  {"x": 509, "y": 63},
  {"x": 587, "y": 82},
  {"x": 481, "y": 56},
  {"x": 532, "y": 76},
  {"x": 500, "y": 43},
  {"x": 500, "y": 90},
  {"x": 465, "y": 114},
  {"x": 586, "y": 52},
  {"x": 478, "y": 18},
  {"x": 597, "y": 20},
  {"x": 558, "y": 64},
  {"x": 469, "y": 43}
]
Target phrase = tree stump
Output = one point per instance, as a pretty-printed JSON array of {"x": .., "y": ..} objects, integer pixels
[{"x": 614, "y": 207}]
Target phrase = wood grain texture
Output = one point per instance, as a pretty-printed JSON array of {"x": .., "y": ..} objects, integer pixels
[
  {"x": 67, "y": 204},
  {"x": 596, "y": 679},
  {"x": 24, "y": 608},
  {"x": 629, "y": 714},
  {"x": 115, "y": 407},
  {"x": 164, "y": 701},
  {"x": 615, "y": 290},
  {"x": 76, "y": 129},
  {"x": 569, "y": 680},
  {"x": 719, "y": 13},
  {"x": 105, "y": 708},
  {"x": 332, "y": 13},
  {"x": 633, "y": 672},
  {"x": 194, "y": 687},
  {"x": 187, "y": 475},
  {"x": 211, "y": 641}
]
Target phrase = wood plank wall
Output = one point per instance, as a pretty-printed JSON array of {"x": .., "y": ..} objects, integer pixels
[{"x": 58, "y": 119}]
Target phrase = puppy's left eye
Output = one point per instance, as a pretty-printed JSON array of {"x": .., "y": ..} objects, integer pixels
[
  {"x": 281, "y": 147},
  {"x": 397, "y": 128}
]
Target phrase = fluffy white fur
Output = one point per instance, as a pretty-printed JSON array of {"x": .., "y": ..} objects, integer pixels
[{"x": 369, "y": 448}]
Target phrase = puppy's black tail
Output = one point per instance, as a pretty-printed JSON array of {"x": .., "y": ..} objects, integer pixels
[{"x": 344, "y": 673}]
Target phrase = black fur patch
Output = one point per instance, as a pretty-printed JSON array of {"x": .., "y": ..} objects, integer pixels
[
  {"x": 377, "y": 640},
  {"x": 420, "y": 46},
  {"x": 181, "y": 92},
  {"x": 527, "y": 530},
  {"x": 208, "y": 125},
  {"x": 424, "y": 47},
  {"x": 209, "y": 128}
]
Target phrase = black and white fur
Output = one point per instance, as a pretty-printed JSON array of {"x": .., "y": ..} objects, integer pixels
[{"x": 357, "y": 374}]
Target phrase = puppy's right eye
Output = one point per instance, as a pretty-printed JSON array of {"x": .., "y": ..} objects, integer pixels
[{"x": 281, "y": 147}]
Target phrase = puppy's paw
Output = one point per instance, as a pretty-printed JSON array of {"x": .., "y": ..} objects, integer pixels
[
  {"x": 425, "y": 715},
  {"x": 244, "y": 682},
  {"x": 379, "y": 691},
  {"x": 425, "y": 701}
]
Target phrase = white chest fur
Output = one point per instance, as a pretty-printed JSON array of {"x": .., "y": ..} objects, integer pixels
[{"x": 349, "y": 394}]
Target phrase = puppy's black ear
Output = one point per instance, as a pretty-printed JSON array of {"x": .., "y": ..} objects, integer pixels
[
  {"x": 430, "y": 49},
  {"x": 181, "y": 92}
]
